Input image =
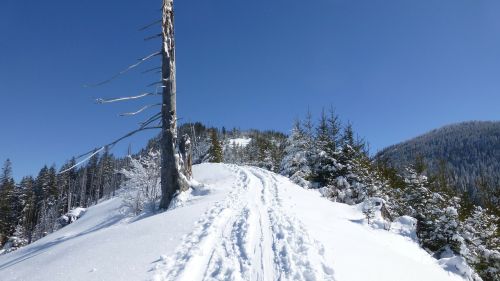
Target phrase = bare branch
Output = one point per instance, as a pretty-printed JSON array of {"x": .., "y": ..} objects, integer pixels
[
  {"x": 157, "y": 83},
  {"x": 141, "y": 60},
  {"x": 94, "y": 152},
  {"x": 140, "y": 110},
  {"x": 151, "y": 69},
  {"x": 110, "y": 145},
  {"x": 132, "y": 133},
  {"x": 151, "y": 119},
  {"x": 150, "y": 25},
  {"x": 101, "y": 101},
  {"x": 153, "y": 37}
]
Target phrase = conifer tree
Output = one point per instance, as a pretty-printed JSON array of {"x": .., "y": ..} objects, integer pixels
[
  {"x": 28, "y": 216},
  {"x": 334, "y": 128},
  {"x": 296, "y": 160},
  {"x": 481, "y": 233},
  {"x": 7, "y": 211},
  {"x": 215, "y": 152},
  {"x": 324, "y": 153}
]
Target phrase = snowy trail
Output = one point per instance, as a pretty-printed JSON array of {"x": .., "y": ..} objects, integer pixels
[{"x": 247, "y": 236}]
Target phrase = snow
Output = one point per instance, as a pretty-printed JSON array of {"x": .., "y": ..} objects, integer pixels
[
  {"x": 242, "y": 142},
  {"x": 456, "y": 264},
  {"x": 71, "y": 216},
  {"x": 240, "y": 223},
  {"x": 77, "y": 212},
  {"x": 405, "y": 226}
]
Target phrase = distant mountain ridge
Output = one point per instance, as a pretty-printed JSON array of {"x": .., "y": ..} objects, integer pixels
[{"x": 471, "y": 151}]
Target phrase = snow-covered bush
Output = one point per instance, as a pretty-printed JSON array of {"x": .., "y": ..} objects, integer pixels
[{"x": 142, "y": 188}]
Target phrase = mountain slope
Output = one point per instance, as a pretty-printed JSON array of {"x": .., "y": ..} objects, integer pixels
[
  {"x": 471, "y": 150},
  {"x": 245, "y": 224}
]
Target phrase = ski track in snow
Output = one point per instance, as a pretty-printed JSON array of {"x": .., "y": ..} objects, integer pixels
[{"x": 247, "y": 236}]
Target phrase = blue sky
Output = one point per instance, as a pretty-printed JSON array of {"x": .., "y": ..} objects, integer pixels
[{"x": 394, "y": 68}]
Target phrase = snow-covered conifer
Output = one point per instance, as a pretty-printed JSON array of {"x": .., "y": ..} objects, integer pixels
[{"x": 296, "y": 159}]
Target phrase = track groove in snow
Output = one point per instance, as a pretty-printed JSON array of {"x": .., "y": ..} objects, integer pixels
[{"x": 247, "y": 236}]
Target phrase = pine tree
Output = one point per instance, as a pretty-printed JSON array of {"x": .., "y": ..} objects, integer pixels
[
  {"x": 446, "y": 234},
  {"x": 28, "y": 217},
  {"x": 92, "y": 188},
  {"x": 324, "y": 154},
  {"x": 481, "y": 233},
  {"x": 7, "y": 208},
  {"x": 296, "y": 160},
  {"x": 66, "y": 183},
  {"x": 215, "y": 152},
  {"x": 334, "y": 127}
]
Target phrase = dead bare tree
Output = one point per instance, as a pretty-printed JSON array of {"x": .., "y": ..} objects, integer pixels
[
  {"x": 172, "y": 164},
  {"x": 170, "y": 178}
]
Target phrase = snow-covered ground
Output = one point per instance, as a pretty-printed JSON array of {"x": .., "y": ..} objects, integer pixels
[{"x": 245, "y": 224}]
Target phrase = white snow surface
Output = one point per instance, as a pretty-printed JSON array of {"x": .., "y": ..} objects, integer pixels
[{"x": 244, "y": 224}]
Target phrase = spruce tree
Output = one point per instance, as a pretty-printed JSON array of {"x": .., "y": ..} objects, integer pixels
[
  {"x": 215, "y": 152},
  {"x": 324, "y": 154},
  {"x": 28, "y": 217},
  {"x": 7, "y": 207},
  {"x": 296, "y": 160}
]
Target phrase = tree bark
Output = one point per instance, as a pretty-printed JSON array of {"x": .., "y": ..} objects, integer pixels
[{"x": 170, "y": 179}]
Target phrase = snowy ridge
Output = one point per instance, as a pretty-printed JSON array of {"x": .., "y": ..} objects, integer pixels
[{"x": 246, "y": 224}]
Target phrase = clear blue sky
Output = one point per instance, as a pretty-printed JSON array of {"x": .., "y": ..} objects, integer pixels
[{"x": 394, "y": 68}]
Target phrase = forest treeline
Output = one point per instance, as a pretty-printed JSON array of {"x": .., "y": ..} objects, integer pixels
[{"x": 467, "y": 153}]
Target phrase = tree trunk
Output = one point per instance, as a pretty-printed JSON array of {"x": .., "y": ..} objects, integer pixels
[
  {"x": 170, "y": 180},
  {"x": 186, "y": 152}
]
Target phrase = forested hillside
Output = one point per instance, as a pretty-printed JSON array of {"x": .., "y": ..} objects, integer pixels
[{"x": 468, "y": 154}]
